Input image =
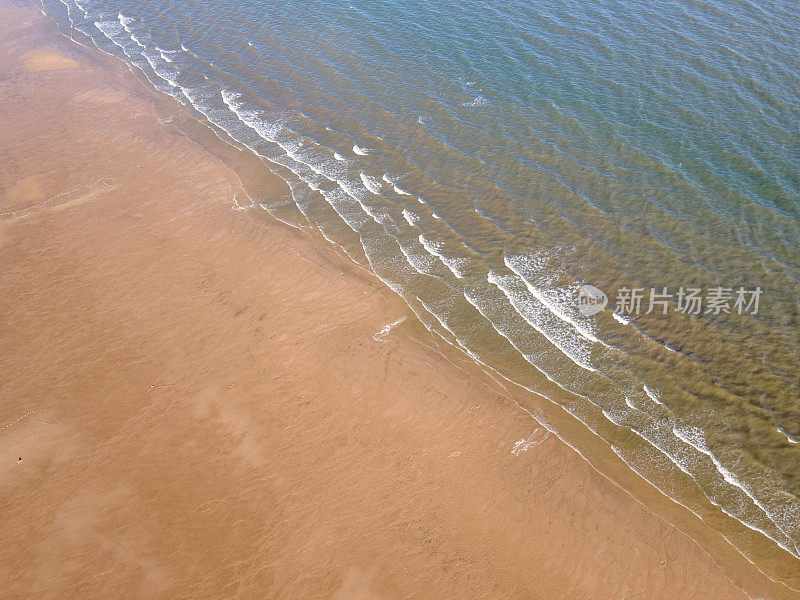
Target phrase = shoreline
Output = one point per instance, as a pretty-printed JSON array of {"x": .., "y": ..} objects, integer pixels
[
  {"x": 196, "y": 215},
  {"x": 605, "y": 459}
]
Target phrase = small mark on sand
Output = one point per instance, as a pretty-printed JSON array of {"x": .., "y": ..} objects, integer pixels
[
  {"x": 238, "y": 206},
  {"x": 17, "y": 420},
  {"x": 18, "y": 430},
  {"x": 100, "y": 96},
  {"x": 387, "y": 329},
  {"x": 536, "y": 438},
  {"x": 61, "y": 201}
]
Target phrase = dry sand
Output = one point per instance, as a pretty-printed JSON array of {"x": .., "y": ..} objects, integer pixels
[
  {"x": 47, "y": 60},
  {"x": 202, "y": 410}
]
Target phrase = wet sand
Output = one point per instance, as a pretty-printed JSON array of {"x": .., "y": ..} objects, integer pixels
[{"x": 203, "y": 407}]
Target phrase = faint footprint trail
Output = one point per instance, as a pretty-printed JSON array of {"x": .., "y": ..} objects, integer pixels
[
  {"x": 84, "y": 192},
  {"x": 7, "y": 437}
]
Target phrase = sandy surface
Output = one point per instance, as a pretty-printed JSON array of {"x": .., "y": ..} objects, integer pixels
[
  {"x": 202, "y": 409},
  {"x": 47, "y": 60}
]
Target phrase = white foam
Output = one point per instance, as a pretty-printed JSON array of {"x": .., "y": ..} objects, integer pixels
[
  {"x": 462, "y": 346},
  {"x": 421, "y": 262},
  {"x": 138, "y": 42},
  {"x": 441, "y": 321},
  {"x": 269, "y": 132},
  {"x": 675, "y": 461},
  {"x": 477, "y": 101},
  {"x": 397, "y": 190},
  {"x": 574, "y": 349},
  {"x": 787, "y": 435},
  {"x": 338, "y": 156},
  {"x": 655, "y": 396},
  {"x": 386, "y": 329},
  {"x": 592, "y": 429},
  {"x": 372, "y": 184},
  {"x": 284, "y": 221},
  {"x": 125, "y": 21},
  {"x": 527, "y": 358},
  {"x": 694, "y": 437},
  {"x": 330, "y": 240},
  {"x": 533, "y": 440},
  {"x": 110, "y": 29},
  {"x": 434, "y": 249},
  {"x": 639, "y": 472},
  {"x": 360, "y": 151},
  {"x": 82, "y": 8},
  {"x": 727, "y": 475},
  {"x": 619, "y": 318},
  {"x": 410, "y": 217},
  {"x": 551, "y": 305},
  {"x": 152, "y": 59}
]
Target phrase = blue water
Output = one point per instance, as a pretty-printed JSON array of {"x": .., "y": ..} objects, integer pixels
[{"x": 487, "y": 159}]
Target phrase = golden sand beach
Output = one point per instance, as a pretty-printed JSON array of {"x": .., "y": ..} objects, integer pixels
[{"x": 197, "y": 401}]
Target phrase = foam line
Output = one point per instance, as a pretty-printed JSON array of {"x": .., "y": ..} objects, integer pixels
[{"x": 552, "y": 306}]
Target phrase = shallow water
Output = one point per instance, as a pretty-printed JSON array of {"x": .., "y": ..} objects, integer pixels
[{"x": 486, "y": 160}]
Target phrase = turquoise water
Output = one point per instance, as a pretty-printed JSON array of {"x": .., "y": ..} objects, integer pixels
[{"x": 486, "y": 160}]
